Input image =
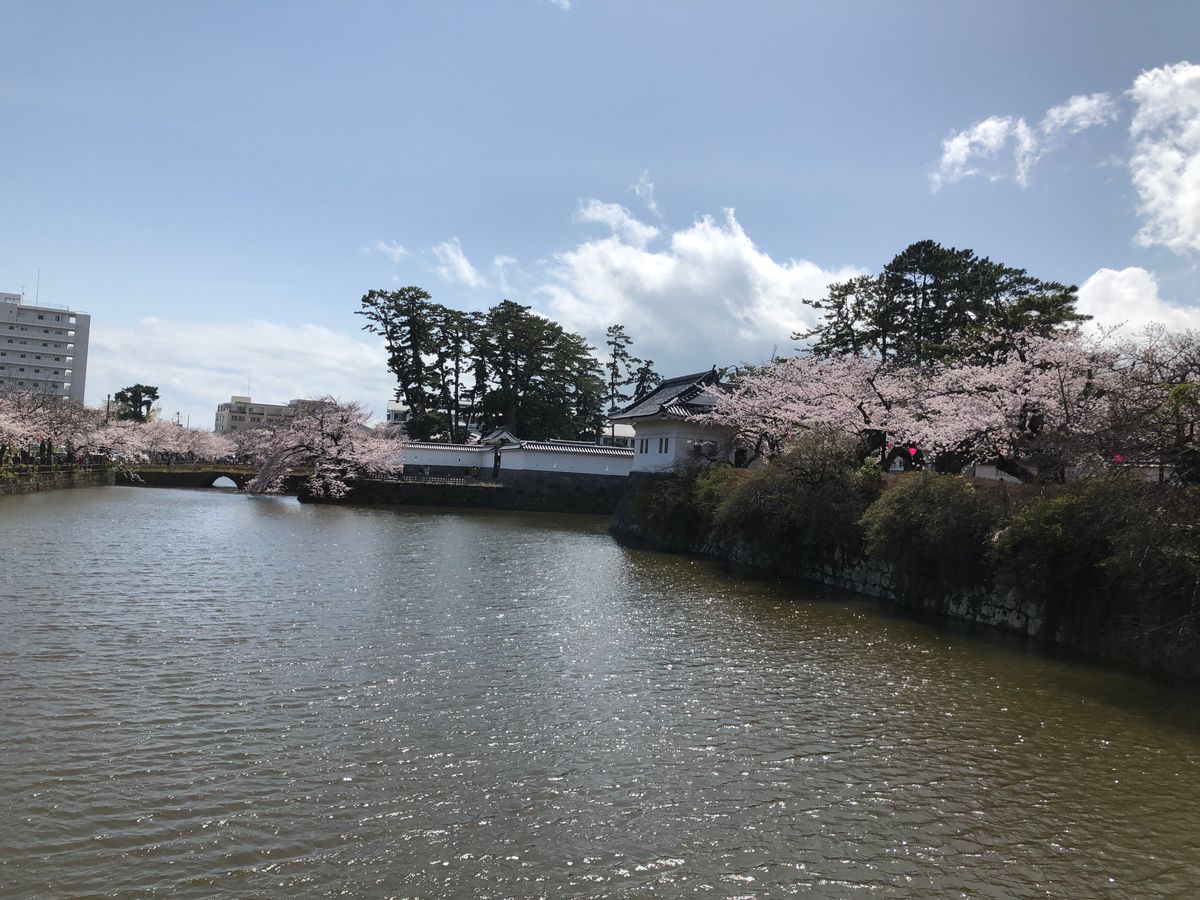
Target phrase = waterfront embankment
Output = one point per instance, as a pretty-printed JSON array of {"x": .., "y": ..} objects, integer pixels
[
  {"x": 559, "y": 492},
  {"x": 1098, "y": 568},
  {"x": 524, "y": 491},
  {"x": 34, "y": 479}
]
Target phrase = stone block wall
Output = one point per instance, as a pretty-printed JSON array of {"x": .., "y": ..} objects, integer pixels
[
  {"x": 517, "y": 490},
  {"x": 54, "y": 481}
]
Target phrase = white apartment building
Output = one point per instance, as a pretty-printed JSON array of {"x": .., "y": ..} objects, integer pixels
[
  {"x": 243, "y": 414},
  {"x": 43, "y": 347}
]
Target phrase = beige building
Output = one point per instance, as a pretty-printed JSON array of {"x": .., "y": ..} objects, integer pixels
[
  {"x": 243, "y": 414},
  {"x": 43, "y": 348}
]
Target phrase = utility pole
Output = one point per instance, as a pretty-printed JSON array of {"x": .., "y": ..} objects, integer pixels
[{"x": 107, "y": 404}]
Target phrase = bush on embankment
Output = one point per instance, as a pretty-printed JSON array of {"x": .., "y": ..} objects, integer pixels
[
  {"x": 933, "y": 531},
  {"x": 1107, "y": 565},
  {"x": 801, "y": 510},
  {"x": 1115, "y": 566}
]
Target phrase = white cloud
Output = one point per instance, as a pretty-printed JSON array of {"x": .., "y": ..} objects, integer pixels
[
  {"x": 198, "y": 365},
  {"x": 618, "y": 218},
  {"x": 1130, "y": 297},
  {"x": 962, "y": 152},
  {"x": 1165, "y": 164},
  {"x": 562, "y": 4},
  {"x": 710, "y": 296},
  {"x": 502, "y": 265},
  {"x": 390, "y": 249},
  {"x": 1000, "y": 147},
  {"x": 644, "y": 188},
  {"x": 455, "y": 266},
  {"x": 1079, "y": 113}
]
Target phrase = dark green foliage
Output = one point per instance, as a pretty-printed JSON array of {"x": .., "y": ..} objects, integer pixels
[
  {"x": 645, "y": 378},
  {"x": 934, "y": 531},
  {"x": 543, "y": 381},
  {"x": 135, "y": 402},
  {"x": 1110, "y": 552},
  {"x": 508, "y": 367},
  {"x": 803, "y": 505},
  {"x": 932, "y": 303},
  {"x": 406, "y": 320},
  {"x": 455, "y": 335},
  {"x": 662, "y": 509},
  {"x": 625, "y": 371}
]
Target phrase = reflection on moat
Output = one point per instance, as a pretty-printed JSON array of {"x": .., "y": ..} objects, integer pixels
[{"x": 206, "y": 693}]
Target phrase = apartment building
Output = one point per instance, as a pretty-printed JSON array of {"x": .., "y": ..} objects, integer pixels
[
  {"x": 243, "y": 414},
  {"x": 43, "y": 347}
]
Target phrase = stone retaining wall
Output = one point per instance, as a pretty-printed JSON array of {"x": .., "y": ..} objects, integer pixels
[
  {"x": 532, "y": 491},
  {"x": 54, "y": 481},
  {"x": 650, "y": 515}
]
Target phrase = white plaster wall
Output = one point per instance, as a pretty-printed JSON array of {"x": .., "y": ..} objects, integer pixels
[
  {"x": 990, "y": 472},
  {"x": 682, "y": 436},
  {"x": 552, "y": 461},
  {"x": 413, "y": 455}
]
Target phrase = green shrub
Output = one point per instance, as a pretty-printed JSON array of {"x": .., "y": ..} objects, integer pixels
[
  {"x": 1109, "y": 552},
  {"x": 801, "y": 506},
  {"x": 714, "y": 485},
  {"x": 665, "y": 511},
  {"x": 934, "y": 530}
]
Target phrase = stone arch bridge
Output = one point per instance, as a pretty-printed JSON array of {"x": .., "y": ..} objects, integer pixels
[{"x": 197, "y": 475}]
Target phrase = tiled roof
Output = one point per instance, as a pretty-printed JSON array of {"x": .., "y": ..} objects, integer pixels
[{"x": 675, "y": 398}]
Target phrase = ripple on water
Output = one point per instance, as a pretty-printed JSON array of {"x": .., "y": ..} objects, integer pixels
[{"x": 211, "y": 694}]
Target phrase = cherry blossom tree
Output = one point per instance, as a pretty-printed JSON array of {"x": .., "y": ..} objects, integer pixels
[
  {"x": 49, "y": 424},
  {"x": 54, "y": 426},
  {"x": 1021, "y": 393},
  {"x": 1155, "y": 401},
  {"x": 330, "y": 440},
  {"x": 1040, "y": 397},
  {"x": 15, "y": 434}
]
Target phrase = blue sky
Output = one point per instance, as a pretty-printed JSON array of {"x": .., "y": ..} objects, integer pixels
[{"x": 218, "y": 183}]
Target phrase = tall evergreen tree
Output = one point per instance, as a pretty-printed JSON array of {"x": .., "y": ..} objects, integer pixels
[
  {"x": 406, "y": 320},
  {"x": 645, "y": 378},
  {"x": 933, "y": 303},
  {"x": 455, "y": 334},
  {"x": 136, "y": 402},
  {"x": 618, "y": 367},
  {"x": 542, "y": 380}
]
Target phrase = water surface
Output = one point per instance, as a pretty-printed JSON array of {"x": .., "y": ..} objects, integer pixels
[{"x": 204, "y": 693}]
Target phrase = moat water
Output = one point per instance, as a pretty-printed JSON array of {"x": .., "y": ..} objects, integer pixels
[{"x": 203, "y": 694}]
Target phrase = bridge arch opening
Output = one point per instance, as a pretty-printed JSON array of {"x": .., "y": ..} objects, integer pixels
[{"x": 225, "y": 482}]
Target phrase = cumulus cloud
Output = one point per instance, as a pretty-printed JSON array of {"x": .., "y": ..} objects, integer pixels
[
  {"x": 1001, "y": 147},
  {"x": 1165, "y": 165},
  {"x": 562, "y": 4},
  {"x": 390, "y": 249},
  {"x": 709, "y": 296},
  {"x": 198, "y": 365},
  {"x": 1130, "y": 297},
  {"x": 454, "y": 265},
  {"x": 618, "y": 218}
]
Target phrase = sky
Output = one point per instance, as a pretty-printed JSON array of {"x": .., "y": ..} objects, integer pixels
[{"x": 219, "y": 183}]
